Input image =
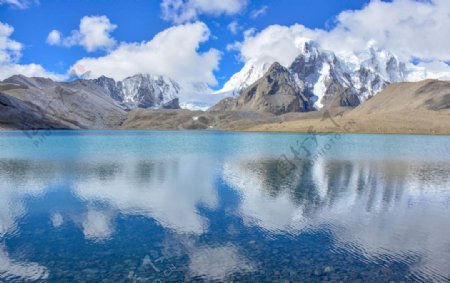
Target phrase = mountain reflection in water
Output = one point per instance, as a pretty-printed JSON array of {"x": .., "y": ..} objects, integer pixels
[{"x": 200, "y": 216}]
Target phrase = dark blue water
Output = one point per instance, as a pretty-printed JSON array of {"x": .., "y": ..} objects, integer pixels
[{"x": 212, "y": 206}]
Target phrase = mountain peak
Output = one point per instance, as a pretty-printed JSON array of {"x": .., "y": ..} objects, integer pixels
[
  {"x": 325, "y": 75},
  {"x": 142, "y": 90},
  {"x": 277, "y": 68},
  {"x": 276, "y": 93}
]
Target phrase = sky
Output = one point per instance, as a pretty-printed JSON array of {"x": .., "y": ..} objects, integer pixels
[{"x": 206, "y": 41}]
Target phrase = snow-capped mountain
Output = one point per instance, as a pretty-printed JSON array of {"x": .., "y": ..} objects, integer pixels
[
  {"x": 250, "y": 73},
  {"x": 276, "y": 92},
  {"x": 325, "y": 75},
  {"x": 142, "y": 90}
]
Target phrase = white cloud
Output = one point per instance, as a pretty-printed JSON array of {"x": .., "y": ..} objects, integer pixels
[
  {"x": 21, "y": 4},
  {"x": 275, "y": 43},
  {"x": 54, "y": 37},
  {"x": 180, "y": 11},
  {"x": 436, "y": 69},
  {"x": 408, "y": 28},
  {"x": 29, "y": 70},
  {"x": 10, "y": 53},
  {"x": 258, "y": 12},
  {"x": 233, "y": 27},
  {"x": 435, "y": 66},
  {"x": 93, "y": 34},
  {"x": 172, "y": 53},
  {"x": 9, "y": 49}
]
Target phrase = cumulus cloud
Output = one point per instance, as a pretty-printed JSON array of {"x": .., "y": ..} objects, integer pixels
[
  {"x": 93, "y": 34},
  {"x": 29, "y": 70},
  {"x": 54, "y": 37},
  {"x": 436, "y": 69},
  {"x": 275, "y": 43},
  {"x": 9, "y": 49},
  {"x": 20, "y": 4},
  {"x": 408, "y": 28},
  {"x": 172, "y": 53},
  {"x": 10, "y": 53},
  {"x": 180, "y": 11}
]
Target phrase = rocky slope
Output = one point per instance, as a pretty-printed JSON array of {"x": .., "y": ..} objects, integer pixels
[
  {"x": 344, "y": 80},
  {"x": 82, "y": 104},
  {"x": 276, "y": 92},
  {"x": 42, "y": 103},
  {"x": 418, "y": 107},
  {"x": 427, "y": 95}
]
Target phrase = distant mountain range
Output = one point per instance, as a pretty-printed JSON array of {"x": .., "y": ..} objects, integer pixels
[
  {"x": 320, "y": 78},
  {"x": 413, "y": 107},
  {"x": 273, "y": 103},
  {"x": 315, "y": 81},
  {"x": 321, "y": 75},
  {"x": 143, "y": 91}
]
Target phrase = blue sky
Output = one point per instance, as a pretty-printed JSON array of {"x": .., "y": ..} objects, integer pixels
[
  {"x": 140, "y": 20},
  {"x": 416, "y": 31}
]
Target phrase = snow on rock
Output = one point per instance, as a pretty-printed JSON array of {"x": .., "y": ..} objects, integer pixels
[
  {"x": 142, "y": 90},
  {"x": 250, "y": 73},
  {"x": 322, "y": 74}
]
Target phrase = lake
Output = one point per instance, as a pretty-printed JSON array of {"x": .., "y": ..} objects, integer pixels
[{"x": 162, "y": 206}]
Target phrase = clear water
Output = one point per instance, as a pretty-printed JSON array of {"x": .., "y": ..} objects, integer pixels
[{"x": 211, "y": 206}]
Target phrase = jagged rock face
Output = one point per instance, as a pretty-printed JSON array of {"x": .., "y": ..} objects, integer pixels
[
  {"x": 143, "y": 91},
  {"x": 148, "y": 91},
  {"x": 112, "y": 88},
  {"x": 172, "y": 104},
  {"x": 344, "y": 80},
  {"x": 276, "y": 92}
]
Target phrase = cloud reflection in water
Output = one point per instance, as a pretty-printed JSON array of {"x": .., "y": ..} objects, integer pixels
[{"x": 376, "y": 209}]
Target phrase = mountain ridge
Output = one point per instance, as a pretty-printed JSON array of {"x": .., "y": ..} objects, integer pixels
[
  {"x": 276, "y": 93},
  {"x": 408, "y": 108},
  {"x": 142, "y": 91},
  {"x": 324, "y": 74},
  {"x": 39, "y": 103}
]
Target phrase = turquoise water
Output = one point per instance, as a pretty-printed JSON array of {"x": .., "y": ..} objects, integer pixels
[{"x": 153, "y": 206}]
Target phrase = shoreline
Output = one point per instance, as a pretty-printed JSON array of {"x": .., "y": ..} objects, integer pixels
[
  {"x": 418, "y": 133},
  {"x": 349, "y": 133}
]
